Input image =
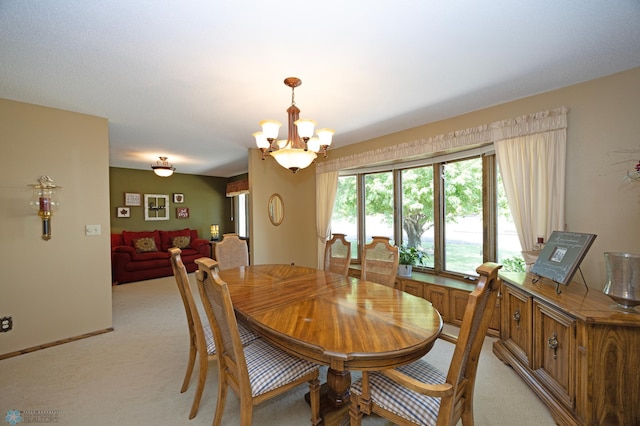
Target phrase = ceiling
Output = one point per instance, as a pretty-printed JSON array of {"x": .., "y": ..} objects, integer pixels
[{"x": 191, "y": 79}]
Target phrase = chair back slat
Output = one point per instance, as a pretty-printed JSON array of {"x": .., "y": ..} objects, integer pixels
[
  {"x": 182, "y": 279},
  {"x": 475, "y": 324},
  {"x": 337, "y": 255},
  {"x": 231, "y": 252},
  {"x": 380, "y": 262}
]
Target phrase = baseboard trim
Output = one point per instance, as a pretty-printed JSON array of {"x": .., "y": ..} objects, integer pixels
[{"x": 56, "y": 343}]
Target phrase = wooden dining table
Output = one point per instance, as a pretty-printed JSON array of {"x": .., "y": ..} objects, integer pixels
[{"x": 341, "y": 322}]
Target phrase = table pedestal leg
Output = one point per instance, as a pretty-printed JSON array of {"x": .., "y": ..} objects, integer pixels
[
  {"x": 334, "y": 398},
  {"x": 338, "y": 383}
]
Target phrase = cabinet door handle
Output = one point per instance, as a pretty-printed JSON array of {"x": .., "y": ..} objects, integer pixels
[
  {"x": 553, "y": 344},
  {"x": 516, "y": 318}
]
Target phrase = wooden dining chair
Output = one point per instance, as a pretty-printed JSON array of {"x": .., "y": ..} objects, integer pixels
[
  {"x": 231, "y": 252},
  {"x": 380, "y": 262},
  {"x": 256, "y": 372},
  {"x": 201, "y": 342},
  {"x": 418, "y": 393},
  {"x": 337, "y": 255}
]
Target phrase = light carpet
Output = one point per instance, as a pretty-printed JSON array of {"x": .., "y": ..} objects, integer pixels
[{"x": 133, "y": 375}]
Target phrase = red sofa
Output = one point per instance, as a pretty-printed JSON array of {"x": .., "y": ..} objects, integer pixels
[{"x": 137, "y": 256}]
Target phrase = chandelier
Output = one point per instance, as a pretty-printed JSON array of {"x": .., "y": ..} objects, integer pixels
[
  {"x": 162, "y": 168},
  {"x": 299, "y": 149}
]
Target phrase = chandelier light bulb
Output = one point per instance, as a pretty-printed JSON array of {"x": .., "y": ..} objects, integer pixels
[
  {"x": 270, "y": 128},
  {"x": 313, "y": 144},
  {"x": 261, "y": 140},
  {"x": 305, "y": 127},
  {"x": 325, "y": 136}
]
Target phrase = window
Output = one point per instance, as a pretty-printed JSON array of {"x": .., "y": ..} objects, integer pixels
[
  {"x": 345, "y": 214},
  {"x": 241, "y": 207},
  {"x": 418, "y": 210},
  {"x": 378, "y": 205},
  {"x": 463, "y": 237},
  {"x": 442, "y": 207}
]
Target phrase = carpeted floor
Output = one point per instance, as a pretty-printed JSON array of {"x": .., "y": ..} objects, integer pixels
[{"x": 133, "y": 375}]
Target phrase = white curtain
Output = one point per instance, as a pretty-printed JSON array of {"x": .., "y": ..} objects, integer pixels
[
  {"x": 326, "y": 188},
  {"x": 531, "y": 154}
]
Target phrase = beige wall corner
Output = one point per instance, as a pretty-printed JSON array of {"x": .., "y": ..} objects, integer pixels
[
  {"x": 60, "y": 288},
  {"x": 293, "y": 241}
]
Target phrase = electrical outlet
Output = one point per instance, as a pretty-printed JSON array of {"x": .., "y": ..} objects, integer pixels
[
  {"x": 92, "y": 230},
  {"x": 6, "y": 324}
]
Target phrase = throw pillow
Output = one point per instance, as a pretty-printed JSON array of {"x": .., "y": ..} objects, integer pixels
[
  {"x": 166, "y": 237},
  {"x": 181, "y": 242},
  {"x": 129, "y": 236},
  {"x": 145, "y": 245}
]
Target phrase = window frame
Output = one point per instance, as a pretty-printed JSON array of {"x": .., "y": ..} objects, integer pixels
[{"x": 489, "y": 204}]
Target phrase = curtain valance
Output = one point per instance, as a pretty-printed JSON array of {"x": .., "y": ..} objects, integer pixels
[
  {"x": 460, "y": 139},
  {"x": 237, "y": 187}
]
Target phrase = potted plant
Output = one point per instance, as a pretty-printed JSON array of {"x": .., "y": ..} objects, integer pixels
[{"x": 410, "y": 257}]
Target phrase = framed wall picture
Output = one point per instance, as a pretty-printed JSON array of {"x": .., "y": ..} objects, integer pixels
[
  {"x": 178, "y": 198},
  {"x": 156, "y": 207},
  {"x": 182, "y": 212},
  {"x": 124, "y": 212},
  {"x": 131, "y": 199}
]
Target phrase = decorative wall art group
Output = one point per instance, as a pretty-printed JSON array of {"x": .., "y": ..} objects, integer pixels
[{"x": 156, "y": 206}]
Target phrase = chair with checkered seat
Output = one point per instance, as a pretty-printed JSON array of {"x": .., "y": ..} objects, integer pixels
[
  {"x": 256, "y": 372},
  {"x": 418, "y": 393},
  {"x": 201, "y": 341}
]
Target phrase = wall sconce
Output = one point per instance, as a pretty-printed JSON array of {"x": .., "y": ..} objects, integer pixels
[
  {"x": 44, "y": 200},
  {"x": 215, "y": 232}
]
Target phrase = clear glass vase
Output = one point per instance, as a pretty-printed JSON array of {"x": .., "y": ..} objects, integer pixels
[{"x": 623, "y": 279}]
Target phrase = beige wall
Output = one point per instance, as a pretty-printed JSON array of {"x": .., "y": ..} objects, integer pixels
[
  {"x": 294, "y": 240},
  {"x": 59, "y": 288},
  {"x": 603, "y": 126}
]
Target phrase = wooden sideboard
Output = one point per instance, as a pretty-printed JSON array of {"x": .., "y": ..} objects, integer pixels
[
  {"x": 576, "y": 350},
  {"x": 448, "y": 295}
]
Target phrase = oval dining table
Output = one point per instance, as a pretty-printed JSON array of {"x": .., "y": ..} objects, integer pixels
[{"x": 341, "y": 322}]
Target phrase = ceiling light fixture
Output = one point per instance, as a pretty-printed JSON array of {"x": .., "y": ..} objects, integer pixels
[
  {"x": 299, "y": 149},
  {"x": 163, "y": 168}
]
